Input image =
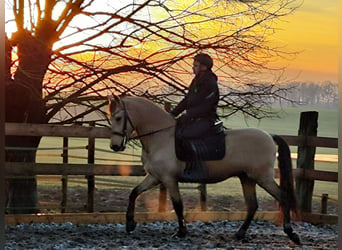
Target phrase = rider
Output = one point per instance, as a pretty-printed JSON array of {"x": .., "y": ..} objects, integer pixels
[
  {"x": 199, "y": 104},
  {"x": 201, "y": 101}
]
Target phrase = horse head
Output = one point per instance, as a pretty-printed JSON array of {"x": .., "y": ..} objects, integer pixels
[{"x": 121, "y": 125}]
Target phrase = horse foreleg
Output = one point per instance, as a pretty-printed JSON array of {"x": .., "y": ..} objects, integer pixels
[
  {"x": 248, "y": 187},
  {"x": 177, "y": 203},
  {"x": 146, "y": 184}
]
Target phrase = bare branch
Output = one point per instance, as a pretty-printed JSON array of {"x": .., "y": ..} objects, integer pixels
[{"x": 145, "y": 48}]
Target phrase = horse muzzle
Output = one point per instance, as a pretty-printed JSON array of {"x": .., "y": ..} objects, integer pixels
[{"x": 117, "y": 148}]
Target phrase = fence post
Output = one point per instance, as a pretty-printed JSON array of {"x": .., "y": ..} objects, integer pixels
[
  {"x": 203, "y": 196},
  {"x": 65, "y": 177},
  {"x": 91, "y": 178},
  {"x": 324, "y": 203},
  {"x": 306, "y": 160},
  {"x": 162, "y": 198}
]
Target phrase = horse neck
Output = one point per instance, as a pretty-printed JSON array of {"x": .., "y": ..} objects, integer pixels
[{"x": 148, "y": 117}]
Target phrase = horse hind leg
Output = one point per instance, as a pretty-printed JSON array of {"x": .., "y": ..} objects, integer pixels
[
  {"x": 248, "y": 187},
  {"x": 145, "y": 185},
  {"x": 281, "y": 196}
]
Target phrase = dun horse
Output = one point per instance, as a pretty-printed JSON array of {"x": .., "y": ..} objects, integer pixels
[{"x": 250, "y": 155}]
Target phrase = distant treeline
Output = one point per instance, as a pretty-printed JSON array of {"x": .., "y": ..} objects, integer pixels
[{"x": 324, "y": 95}]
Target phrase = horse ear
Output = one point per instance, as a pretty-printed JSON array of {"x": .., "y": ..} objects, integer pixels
[
  {"x": 117, "y": 100},
  {"x": 113, "y": 102}
]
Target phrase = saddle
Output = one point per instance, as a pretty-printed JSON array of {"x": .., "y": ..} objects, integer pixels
[{"x": 207, "y": 147}]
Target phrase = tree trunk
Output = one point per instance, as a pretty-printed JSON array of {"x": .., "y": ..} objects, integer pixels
[
  {"x": 20, "y": 108},
  {"x": 24, "y": 103},
  {"x": 23, "y": 196}
]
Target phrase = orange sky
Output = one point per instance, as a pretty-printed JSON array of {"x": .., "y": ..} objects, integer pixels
[{"x": 313, "y": 30}]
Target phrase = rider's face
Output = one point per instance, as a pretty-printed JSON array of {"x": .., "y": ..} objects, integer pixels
[{"x": 197, "y": 67}]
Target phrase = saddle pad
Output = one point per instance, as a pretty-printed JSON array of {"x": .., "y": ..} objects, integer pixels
[{"x": 209, "y": 148}]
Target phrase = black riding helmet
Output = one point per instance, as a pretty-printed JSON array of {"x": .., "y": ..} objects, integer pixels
[{"x": 204, "y": 59}]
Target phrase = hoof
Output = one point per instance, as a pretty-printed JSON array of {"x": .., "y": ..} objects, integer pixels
[
  {"x": 295, "y": 238},
  {"x": 130, "y": 226},
  {"x": 240, "y": 235},
  {"x": 182, "y": 232}
]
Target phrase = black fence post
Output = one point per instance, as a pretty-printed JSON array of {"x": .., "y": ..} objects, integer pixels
[
  {"x": 324, "y": 203},
  {"x": 65, "y": 177},
  {"x": 162, "y": 198},
  {"x": 91, "y": 178},
  {"x": 203, "y": 196},
  {"x": 306, "y": 160}
]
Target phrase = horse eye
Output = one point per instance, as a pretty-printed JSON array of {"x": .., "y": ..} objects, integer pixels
[{"x": 118, "y": 119}]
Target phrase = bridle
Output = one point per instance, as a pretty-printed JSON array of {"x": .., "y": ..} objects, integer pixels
[{"x": 124, "y": 133}]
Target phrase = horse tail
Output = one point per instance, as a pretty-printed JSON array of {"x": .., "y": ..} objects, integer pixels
[{"x": 286, "y": 175}]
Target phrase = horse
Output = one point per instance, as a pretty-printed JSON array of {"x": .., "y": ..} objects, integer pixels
[{"x": 250, "y": 155}]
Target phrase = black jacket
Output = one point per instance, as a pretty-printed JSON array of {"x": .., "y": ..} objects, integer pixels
[{"x": 202, "y": 99}]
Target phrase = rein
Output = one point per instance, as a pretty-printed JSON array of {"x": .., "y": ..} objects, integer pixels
[{"x": 150, "y": 133}]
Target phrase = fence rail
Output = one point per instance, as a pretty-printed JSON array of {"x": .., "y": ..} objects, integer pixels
[
  {"x": 16, "y": 168},
  {"x": 25, "y": 129},
  {"x": 301, "y": 140}
]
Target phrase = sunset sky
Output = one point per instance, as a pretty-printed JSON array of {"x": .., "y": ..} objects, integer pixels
[{"x": 313, "y": 30}]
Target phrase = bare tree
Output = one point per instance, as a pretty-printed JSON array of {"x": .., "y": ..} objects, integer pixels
[{"x": 72, "y": 53}]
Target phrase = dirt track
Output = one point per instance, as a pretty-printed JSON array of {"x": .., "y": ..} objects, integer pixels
[
  {"x": 158, "y": 235},
  {"x": 213, "y": 235}
]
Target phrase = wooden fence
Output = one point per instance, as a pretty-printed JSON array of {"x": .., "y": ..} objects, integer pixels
[{"x": 305, "y": 141}]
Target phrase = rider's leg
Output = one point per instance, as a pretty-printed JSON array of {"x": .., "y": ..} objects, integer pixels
[{"x": 196, "y": 129}]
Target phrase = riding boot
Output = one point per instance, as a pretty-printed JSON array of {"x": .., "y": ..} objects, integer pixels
[{"x": 195, "y": 169}]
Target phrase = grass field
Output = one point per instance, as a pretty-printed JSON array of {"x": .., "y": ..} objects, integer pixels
[{"x": 287, "y": 125}]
